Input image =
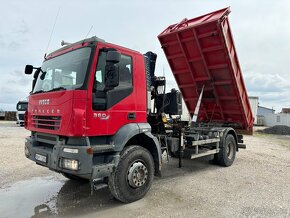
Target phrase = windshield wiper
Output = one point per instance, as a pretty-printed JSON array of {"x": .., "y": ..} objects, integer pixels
[{"x": 56, "y": 89}]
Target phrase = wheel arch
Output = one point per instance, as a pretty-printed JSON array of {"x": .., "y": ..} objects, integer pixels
[
  {"x": 150, "y": 142},
  {"x": 139, "y": 134},
  {"x": 230, "y": 131}
]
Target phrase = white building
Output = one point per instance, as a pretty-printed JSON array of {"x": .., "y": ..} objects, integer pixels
[{"x": 277, "y": 119}]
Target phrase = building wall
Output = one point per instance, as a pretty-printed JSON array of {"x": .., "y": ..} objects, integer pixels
[
  {"x": 263, "y": 111},
  {"x": 254, "y": 107},
  {"x": 277, "y": 119}
]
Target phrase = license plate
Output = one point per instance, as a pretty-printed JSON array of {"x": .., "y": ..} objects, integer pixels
[{"x": 40, "y": 158}]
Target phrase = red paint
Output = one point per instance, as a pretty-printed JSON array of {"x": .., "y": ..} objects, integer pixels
[{"x": 201, "y": 51}]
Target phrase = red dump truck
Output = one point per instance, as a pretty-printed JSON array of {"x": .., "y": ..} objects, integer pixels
[{"x": 90, "y": 113}]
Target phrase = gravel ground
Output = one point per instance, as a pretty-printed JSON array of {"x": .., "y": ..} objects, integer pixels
[
  {"x": 277, "y": 130},
  {"x": 256, "y": 185}
]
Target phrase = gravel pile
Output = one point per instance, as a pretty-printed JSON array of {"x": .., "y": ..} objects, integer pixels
[{"x": 277, "y": 130}]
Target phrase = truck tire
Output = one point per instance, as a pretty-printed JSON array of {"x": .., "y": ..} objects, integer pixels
[
  {"x": 134, "y": 174},
  {"x": 227, "y": 153}
]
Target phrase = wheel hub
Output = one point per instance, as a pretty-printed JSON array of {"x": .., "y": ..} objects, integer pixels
[
  {"x": 230, "y": 152},
  {"x": 137, "y": 175}
]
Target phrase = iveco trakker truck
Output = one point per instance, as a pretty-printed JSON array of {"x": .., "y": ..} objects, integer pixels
[{"x": 90, "y": 112}]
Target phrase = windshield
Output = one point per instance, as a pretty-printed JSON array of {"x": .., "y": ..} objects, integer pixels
[
  {"x": 66, "y": 71},
  {"x": 22, "y": 106}
]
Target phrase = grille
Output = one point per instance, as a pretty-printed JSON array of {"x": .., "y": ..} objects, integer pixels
[
  {"x": 21, "y": 116},
  {"x": 46, "y": 122}
]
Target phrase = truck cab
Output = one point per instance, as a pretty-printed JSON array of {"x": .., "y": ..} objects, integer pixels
[{"x": 89, "y": 102}]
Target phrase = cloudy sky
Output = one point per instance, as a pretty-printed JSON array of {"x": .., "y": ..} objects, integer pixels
[{"x": 261, "y": 31}]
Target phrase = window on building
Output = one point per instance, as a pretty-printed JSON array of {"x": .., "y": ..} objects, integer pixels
[{"x": 278, "y": 119}]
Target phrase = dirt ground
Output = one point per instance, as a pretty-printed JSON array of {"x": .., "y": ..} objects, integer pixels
[{"x": 256, "y": 185}]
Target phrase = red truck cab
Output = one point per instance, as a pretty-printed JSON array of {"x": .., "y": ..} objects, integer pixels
[
  {"x": 79, "y": 106},
  {"x": 89, "y": 101}
]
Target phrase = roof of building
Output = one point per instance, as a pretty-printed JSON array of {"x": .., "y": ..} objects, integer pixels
[{"x": 266, "y": 108}]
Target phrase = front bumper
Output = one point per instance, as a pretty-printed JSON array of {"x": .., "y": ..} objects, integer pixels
[{"x": 90, "y": 166}]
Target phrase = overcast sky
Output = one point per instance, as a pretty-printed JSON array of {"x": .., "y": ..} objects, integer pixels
[{"x": 261, "y": 30}]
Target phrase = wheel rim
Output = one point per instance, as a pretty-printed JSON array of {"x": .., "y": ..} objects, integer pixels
[
  {"x": 137, "y": 174},
  {"x": 230, "y": 150}
]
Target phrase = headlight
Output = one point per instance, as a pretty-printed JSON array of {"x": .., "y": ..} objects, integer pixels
[{"x": 70, "y": 164}]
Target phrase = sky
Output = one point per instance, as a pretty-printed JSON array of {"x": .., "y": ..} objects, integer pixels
[{"x": 260, "y": 29}]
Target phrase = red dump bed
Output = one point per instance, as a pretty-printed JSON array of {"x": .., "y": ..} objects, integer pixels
[{"x": 201, "y": 52}]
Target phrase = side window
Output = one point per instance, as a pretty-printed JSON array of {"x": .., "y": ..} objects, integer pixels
[
  {"x": 125, "y": 72},
  {"x": 99, "y": 83},
  {"x": 105, "y": 99}
]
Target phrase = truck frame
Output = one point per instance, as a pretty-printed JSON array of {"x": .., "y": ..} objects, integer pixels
[{"x": 90, "y": 112}]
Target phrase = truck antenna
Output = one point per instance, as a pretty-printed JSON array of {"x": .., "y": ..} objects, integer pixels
[
  {"x": 89, "y": 31},
  {"x": 87, "y": 35},
  {"x": 52, "y": 31}
]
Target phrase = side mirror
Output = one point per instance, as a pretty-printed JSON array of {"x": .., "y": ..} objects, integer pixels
[
  {"x": 28, "y": 69},
  {"x": 113, "y": 57},
  {"x": 112, "y": 76},
  {"x": 112, "y": 70}
]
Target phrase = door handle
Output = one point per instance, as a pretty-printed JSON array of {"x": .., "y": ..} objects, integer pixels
[{"x": 132, "y": 116}]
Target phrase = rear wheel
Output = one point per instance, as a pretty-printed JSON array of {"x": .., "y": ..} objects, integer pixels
[
  {"x": 134, "y": 174},
  {"x": 227, "y": 153}
]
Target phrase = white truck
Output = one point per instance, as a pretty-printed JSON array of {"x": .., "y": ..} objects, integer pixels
[{"x": 21, "y": 107}]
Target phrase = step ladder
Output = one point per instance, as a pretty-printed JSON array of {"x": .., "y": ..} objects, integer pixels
[{"x": 162, "y": 138}]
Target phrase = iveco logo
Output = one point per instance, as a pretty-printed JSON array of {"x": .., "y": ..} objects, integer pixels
[{"x": 43, "y": 102}]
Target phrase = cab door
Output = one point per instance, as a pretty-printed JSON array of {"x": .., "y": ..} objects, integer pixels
[{"x": 111, "y": 109}]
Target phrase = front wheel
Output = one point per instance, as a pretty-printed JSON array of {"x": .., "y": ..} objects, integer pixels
[
  {"x": 227, "y": 153},
  {"x": 134, "y": 174}
]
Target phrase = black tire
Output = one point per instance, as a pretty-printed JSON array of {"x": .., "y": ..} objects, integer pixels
[
  {"x": 74, "y": 178},
  {"x": 227, "y": 153},
  {"x": 119, "y": 183}
]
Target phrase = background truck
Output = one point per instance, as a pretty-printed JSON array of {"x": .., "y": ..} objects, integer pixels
[
  {"x": 21, "y": 107},
  {"x": 90, "y": 112},
  {"x": 2, "y": 115}
]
